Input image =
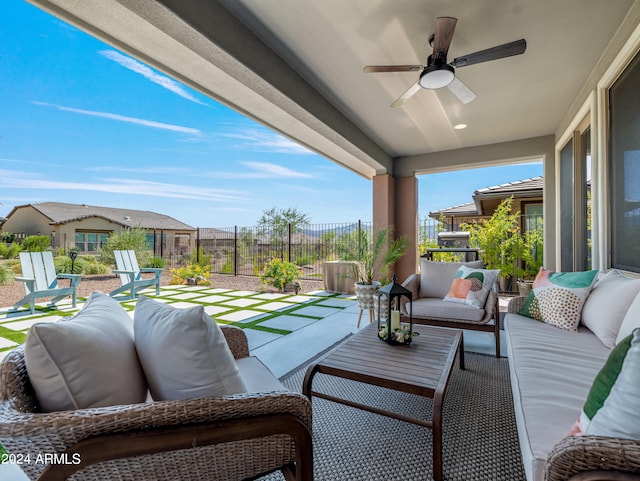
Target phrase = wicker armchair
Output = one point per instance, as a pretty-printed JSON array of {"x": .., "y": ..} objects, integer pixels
[
  {"x": 219, "y": 438},
  {"x": 594, "y": 458},
  {"x": 491, "y": 313}
]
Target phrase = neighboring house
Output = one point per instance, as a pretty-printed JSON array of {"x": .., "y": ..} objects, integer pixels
[
  {"x": 86, "y": 227},
  {"x": 527, "y": 199}
]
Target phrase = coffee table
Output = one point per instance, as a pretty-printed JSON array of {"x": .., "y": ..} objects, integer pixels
[{"x": 423, "y": 368}]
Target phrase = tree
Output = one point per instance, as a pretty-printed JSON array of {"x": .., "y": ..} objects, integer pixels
[{"x": 276, "y": 221}]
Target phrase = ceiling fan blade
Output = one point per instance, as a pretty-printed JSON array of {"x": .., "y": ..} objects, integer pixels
[
  {"x": 460, "y": 90},
  {"x": 407, "y": 95},
  {"x": 501, "y": 51},
  {"x": 445, "y": 26},
  {"x": 392, "y": 68}
]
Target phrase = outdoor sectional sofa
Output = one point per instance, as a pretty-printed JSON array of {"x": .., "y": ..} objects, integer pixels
[{"x": 552, "y": 371}]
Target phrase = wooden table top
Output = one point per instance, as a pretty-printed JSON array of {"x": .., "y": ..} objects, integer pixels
[{"x": 422, "y": 368}]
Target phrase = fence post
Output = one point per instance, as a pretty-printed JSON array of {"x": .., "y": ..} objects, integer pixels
[
  {"x": 289, "y": 244},
  {"x": 235, "y": 250},
  {"x": 198, "y": 245}
]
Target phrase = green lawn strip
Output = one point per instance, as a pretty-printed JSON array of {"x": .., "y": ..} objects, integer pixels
[{"x": 15, "y": 336}]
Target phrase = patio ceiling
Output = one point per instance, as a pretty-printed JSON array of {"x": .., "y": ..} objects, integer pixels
[{"x": 296, "y": 65}]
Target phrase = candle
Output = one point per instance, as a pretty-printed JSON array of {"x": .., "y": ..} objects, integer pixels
[{"x": 395, "y": 320}]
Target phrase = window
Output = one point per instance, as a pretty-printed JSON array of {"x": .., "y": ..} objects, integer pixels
[
  {"x": 90, "y": 241},
  {"x": 566, "y": 207},
  {"x": 624, "y": 158}
]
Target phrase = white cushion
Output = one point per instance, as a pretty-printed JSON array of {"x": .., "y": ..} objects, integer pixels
[
  {"x": 472, "y": 286},
  {"x": 183, "y": 352},
  {"x": 429, "y": 307},
  {"x": 86, "y": 361},
  {"x": 601, "y": 314},
  {"x": 630, "y": 321},
  {"x": 436, "y": 277}
]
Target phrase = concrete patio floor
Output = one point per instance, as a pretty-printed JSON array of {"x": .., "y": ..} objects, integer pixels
[{"x": 314, "y": 321}]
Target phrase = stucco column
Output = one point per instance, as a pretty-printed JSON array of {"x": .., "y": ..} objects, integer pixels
[
  {"x": 395, "y": 203},
  {"x": 406, "y": 216}
]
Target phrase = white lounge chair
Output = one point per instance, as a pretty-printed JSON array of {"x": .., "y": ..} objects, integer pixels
[
  {"x": 131, "y": 275},
  {"x": 40, "y": 280}
]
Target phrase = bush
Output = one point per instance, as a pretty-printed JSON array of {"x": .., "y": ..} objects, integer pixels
[
  {"x": 156, "y": 262},
  {"x": 6, "y": 274},
  {"x": 279, "y": 273},
  {"x": 36, "y": 243},
  {"x": 86, "y": 265},
  {"x": 128, "y": 239},
  {"x": 205, "y": 258},
  {"x": 193, "y": 274},
  {"x": 7, "y": 237},
  {"x": 9, "y": 251}
]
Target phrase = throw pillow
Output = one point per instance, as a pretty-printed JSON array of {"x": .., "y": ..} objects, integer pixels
[
  {"x": 472, "y": 286},
  {"x": 604, "y": 317},
  {"x": 183, "y": 352},
  {"x": 436, "y": 277},
  {"x": 557, "y": 298},
  {"x": 631, "y": 320},
  {"x": 611, "y": 408},
  {"x": 86, "y": 361}
]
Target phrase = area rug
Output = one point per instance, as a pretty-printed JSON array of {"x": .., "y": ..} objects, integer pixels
[{"x": 480, "y": 441}]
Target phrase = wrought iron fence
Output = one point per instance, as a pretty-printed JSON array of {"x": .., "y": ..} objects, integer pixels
[{"x": 246, "y": 250}]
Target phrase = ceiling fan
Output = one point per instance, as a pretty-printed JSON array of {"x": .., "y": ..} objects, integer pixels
[{"x": 438, "y": 73}]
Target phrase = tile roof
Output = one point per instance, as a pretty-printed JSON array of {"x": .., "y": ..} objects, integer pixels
[
  {"x": 61, "y": 213},
  {"x": 535, "y": 183},
  {"x": 469, "y": 208}
]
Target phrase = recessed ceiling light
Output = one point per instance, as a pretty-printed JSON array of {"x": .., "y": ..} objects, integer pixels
[{"x": 460, "y": 126}]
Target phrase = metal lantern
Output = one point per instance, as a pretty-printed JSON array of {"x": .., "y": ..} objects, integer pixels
[{"x": 392, "y": 327}]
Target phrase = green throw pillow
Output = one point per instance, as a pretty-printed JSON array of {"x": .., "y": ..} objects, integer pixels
[
  {"x": 557, "y": 298},
  {"x": 613, "y": 403}
]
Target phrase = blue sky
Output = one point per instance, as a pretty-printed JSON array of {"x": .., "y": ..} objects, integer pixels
[{"x": 81, "y": 122}]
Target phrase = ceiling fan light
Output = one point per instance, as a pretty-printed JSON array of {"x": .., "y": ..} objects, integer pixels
[{"x": 436, "y": 76}]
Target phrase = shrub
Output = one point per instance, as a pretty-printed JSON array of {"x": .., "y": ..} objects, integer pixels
[
  {"x": 305, "y": 260},
  {"x": 9, "y": 251},
  {"x": 7, "y": 237},
  {"x": 157, "y": 262},
  {"x": 128, "y": 239},
  {"x": 279, "y": 273},
  {"x": 36, "y": 243},
  {"x": 205, "y": 258},
  {"x": 192, "y": 274},
  {"x": 6, "y": 274},
  {"x": 86, "y": 265}
]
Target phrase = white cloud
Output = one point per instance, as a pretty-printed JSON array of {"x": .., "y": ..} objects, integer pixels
[
  {"x": 274, "y": 170},
  {"x": 26, "y": 180},
  {"x": 123, "y": 118},
  {"x": 266, "y": 141},
  {"x": 149, "y": 74}
]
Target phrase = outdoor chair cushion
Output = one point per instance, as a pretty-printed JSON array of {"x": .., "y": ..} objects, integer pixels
[
  {"x": 436, "y": 277},
  {"x": 606, "y": 306},
  {"x": 441, "y": 309},
  {"x": 183, "y": 352},
  {"x": 86, "y": 361}
]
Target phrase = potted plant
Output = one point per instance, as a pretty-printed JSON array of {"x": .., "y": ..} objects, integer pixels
[
  {"x": 373, "y": 264},
  {"x": 530, "y": 253},
  {"x": 281, "y": 275}
]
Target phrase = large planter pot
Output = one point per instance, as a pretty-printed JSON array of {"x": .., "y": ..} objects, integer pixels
[
  {"x": 524, "y": 287},
  {"x": 368, "y": 300}
]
